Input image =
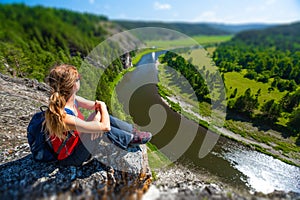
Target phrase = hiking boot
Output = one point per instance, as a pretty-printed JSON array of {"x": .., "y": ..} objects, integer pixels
[{"x": 140, "y": 137}]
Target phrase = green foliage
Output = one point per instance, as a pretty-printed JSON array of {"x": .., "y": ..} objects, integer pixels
[
  {"x": 273, "y": 52},
  {"x": 271, "y": 110},
  {"x": 294, "y": 120},
  {"x": 251, "y": 75},
  {"x": 189, "y": 72},
  {"x": 204, "y": 40},
  {"x": 246, "y": 103},
  {"x": 105, "y": 85},
  {"x": 269, "y": 58},
  {"x": 233, "y": 95},
  {"x": 33, "y": 39},
  {"x": 290, "y": 101}
]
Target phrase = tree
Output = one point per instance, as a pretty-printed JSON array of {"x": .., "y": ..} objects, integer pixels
[
  {"x": 251, "y": 74},
  {"x": 233, "y": 94},
  {"x": 290, "y": 101},
  {"x": 271, "y": 110},
  {"x": 294, "y": 121},
  {"x": 246, "y": 103}
]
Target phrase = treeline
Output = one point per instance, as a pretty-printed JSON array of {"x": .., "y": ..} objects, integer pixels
[
  {"x": 106, "y": 84},
  {"x": 189, "y": 72},
  {"x": 33, "y": 39},
  {"x": 265, "y": 54},
  {"x": 186, "y": 28}
]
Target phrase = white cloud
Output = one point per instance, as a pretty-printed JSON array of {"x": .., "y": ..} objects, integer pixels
[
  {"x": 162, "y": 6},
  {"x": 92, "y": 1}
]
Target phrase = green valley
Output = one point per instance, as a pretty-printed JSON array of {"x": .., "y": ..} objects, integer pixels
[{"x": 263, "y": 108}]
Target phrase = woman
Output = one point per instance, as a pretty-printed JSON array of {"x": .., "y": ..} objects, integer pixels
[{"x": 63, "y": 117}]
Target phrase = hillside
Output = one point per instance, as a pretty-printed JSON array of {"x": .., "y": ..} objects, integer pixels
[
  {"x": 236, "y": 28},
  {"x": 186, "y": 28},
  {"x": 194, "y": 29},
  {"x": 33, "y": 39}
]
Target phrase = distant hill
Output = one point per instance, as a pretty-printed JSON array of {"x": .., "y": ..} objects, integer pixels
[
  {"x": 236, "y": 28},
  {"x": 283, "y": 37},
  {"x": 186, "y": 28},
  {"x": 193, "y": 29}
]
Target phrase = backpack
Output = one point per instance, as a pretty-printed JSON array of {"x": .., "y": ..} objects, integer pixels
[{"x": 39, "y": 142}]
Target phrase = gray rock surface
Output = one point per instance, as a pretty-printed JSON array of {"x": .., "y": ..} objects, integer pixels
[{"x": 179, "y": 183}]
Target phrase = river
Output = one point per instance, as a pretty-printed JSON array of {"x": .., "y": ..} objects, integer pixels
[{"x": 232, "y": 163}]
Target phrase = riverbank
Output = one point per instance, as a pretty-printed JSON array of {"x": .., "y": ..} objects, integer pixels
[
  {"x": 188, "y": 110},
  {"x": 179, "y": 182}
]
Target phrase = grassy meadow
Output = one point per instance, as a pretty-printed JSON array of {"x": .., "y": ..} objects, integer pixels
[
  {"x": 234, "y": 80},
  {"x": 189, "y": 41}
]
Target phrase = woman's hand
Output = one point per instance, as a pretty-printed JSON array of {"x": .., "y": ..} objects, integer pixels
[
  {"x": 94, "y": 136},
  {"x": 100, "y": 106},
  {"x": 97, "y": 116}
]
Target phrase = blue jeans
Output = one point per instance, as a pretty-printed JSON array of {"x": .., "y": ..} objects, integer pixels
[{"x": 120, "y": 133}]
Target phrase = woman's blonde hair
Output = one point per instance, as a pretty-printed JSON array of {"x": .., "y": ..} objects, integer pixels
[{"x": 61, "y": 79}]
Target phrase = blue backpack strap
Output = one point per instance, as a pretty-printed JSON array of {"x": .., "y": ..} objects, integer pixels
[{"x": 69, "y": 111}]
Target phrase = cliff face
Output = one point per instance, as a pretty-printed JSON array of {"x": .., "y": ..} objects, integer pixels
[{"x": 23, "y": 178}]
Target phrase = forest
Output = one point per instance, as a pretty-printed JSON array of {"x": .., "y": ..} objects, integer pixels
[
  {"x": 33, "y": 39},
  {"x": 271, "y": 53},
  {"x": 269, "y": 56}
]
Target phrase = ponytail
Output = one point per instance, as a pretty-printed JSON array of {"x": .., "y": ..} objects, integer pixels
[
  {"x": 61, "y": 80},
  {"x": 55, "y": 115}
]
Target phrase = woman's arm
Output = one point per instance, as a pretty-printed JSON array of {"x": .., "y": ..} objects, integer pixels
[
  {"x": 100, "y": 122},
  {"x": 85, "y": 103}
]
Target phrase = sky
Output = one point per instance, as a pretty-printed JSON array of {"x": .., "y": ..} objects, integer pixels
[{"x": 219, "y": 11}]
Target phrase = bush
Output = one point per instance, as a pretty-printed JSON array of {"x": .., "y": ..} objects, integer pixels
[{"x": 251, "y": 75}]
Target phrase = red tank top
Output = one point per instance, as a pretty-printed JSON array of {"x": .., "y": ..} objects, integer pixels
[{"x": 71, "y": 143}]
